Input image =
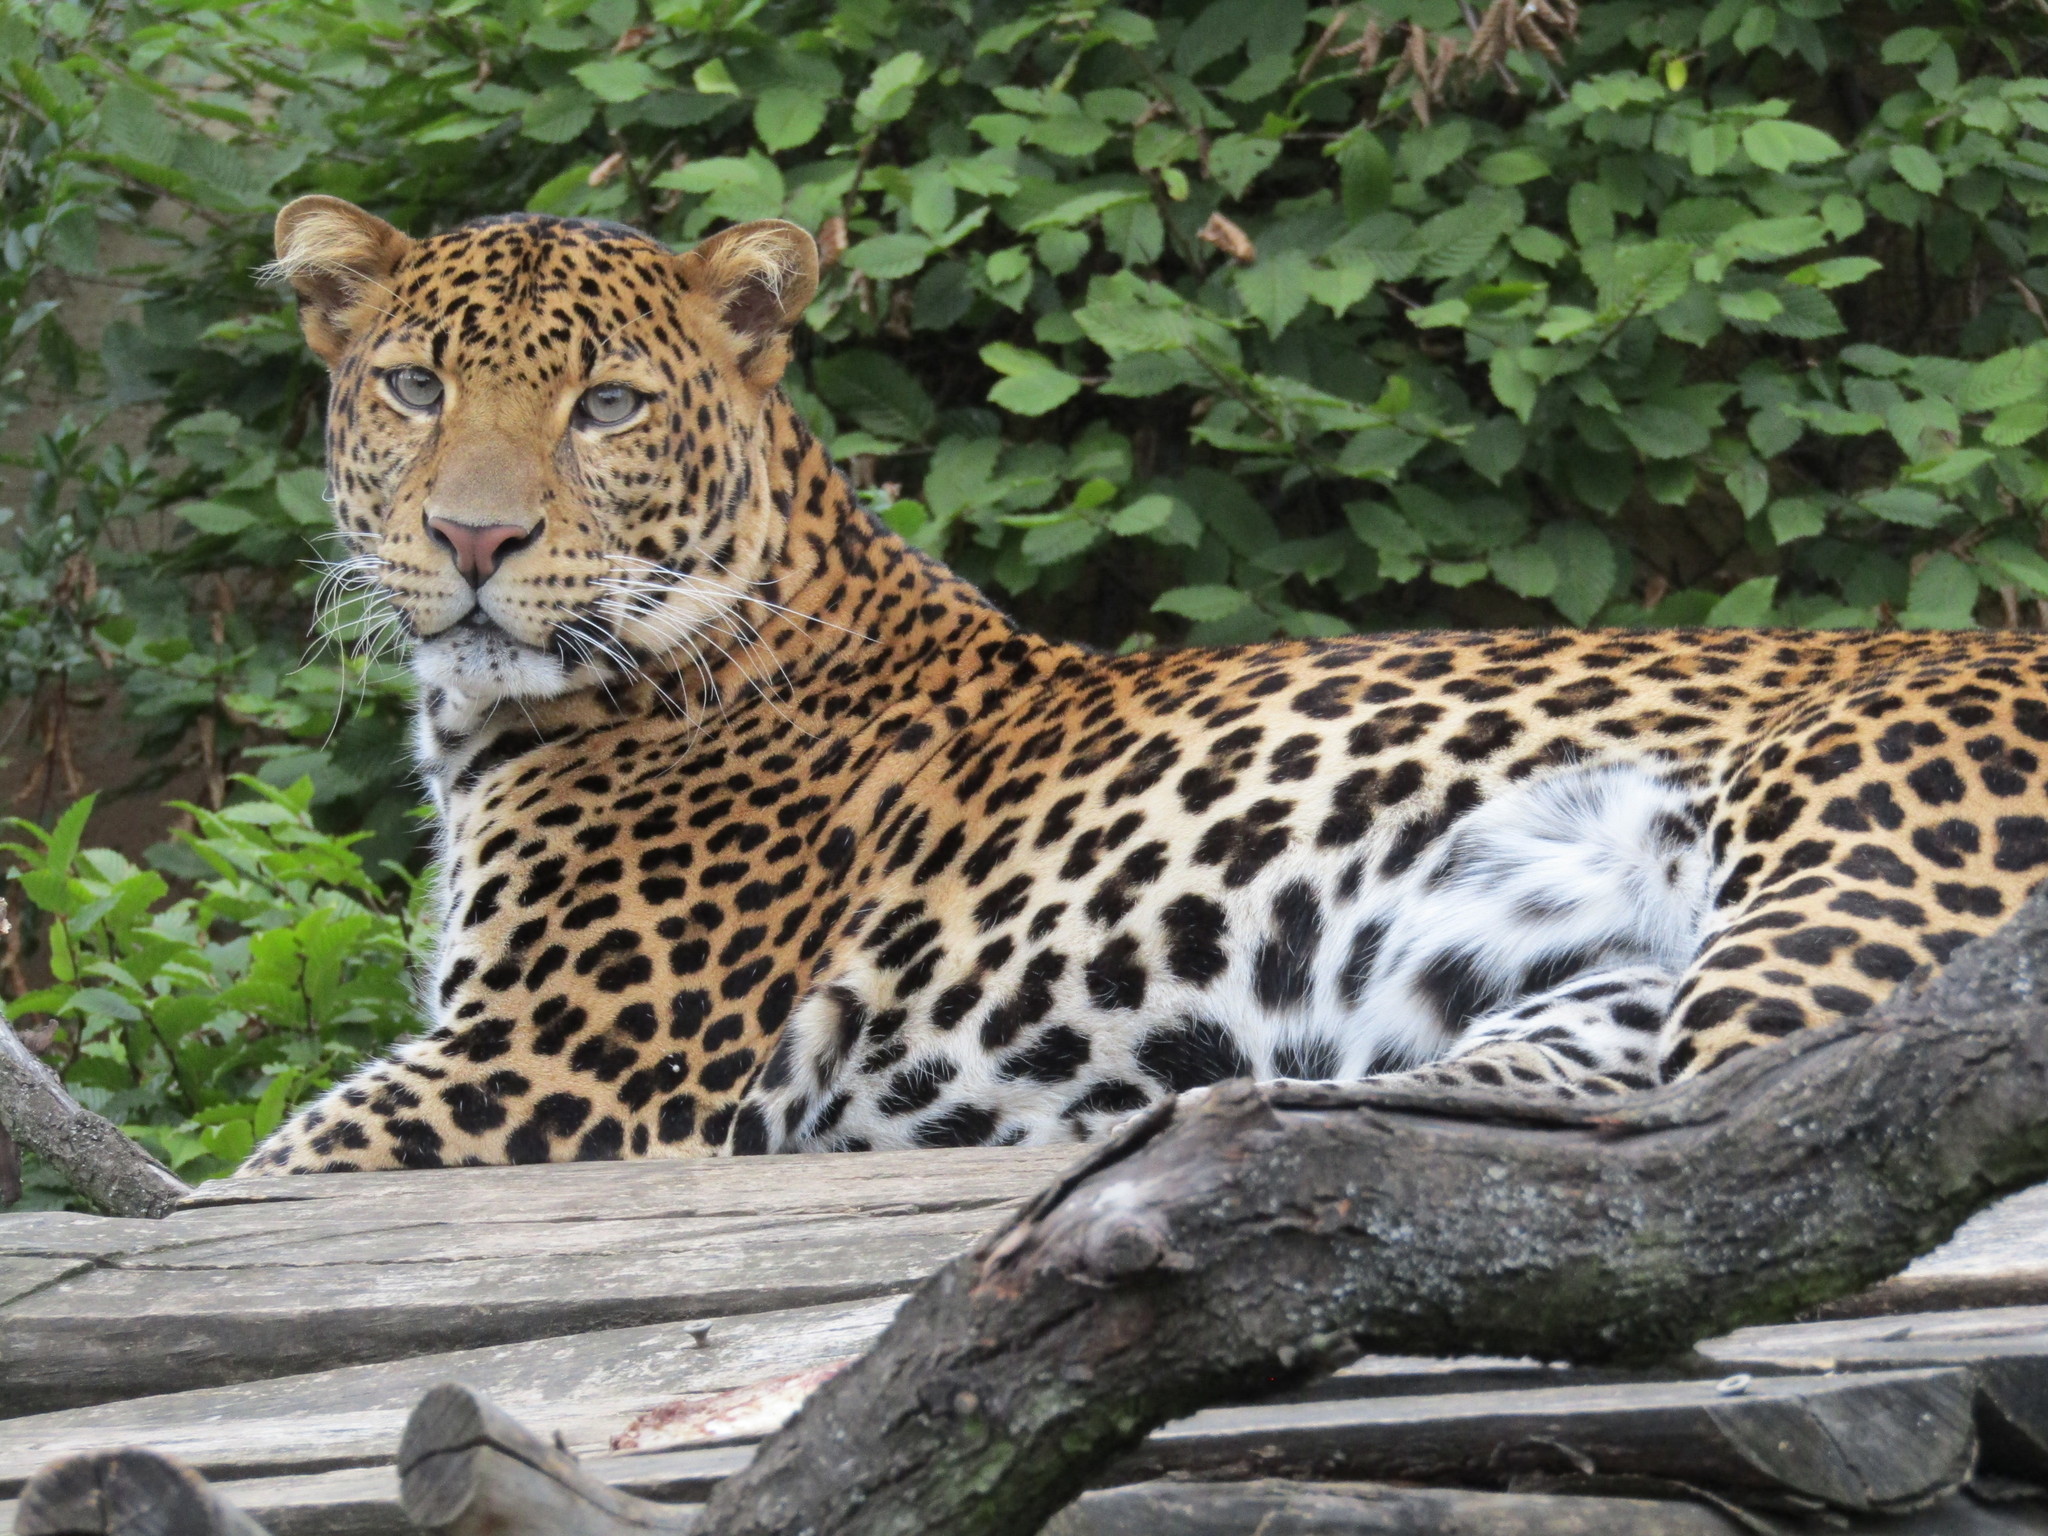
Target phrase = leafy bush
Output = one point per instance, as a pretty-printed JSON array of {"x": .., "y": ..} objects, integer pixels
[
  {"x": 197, "y": 1021},
  {"x": 1210, "y": 319}
]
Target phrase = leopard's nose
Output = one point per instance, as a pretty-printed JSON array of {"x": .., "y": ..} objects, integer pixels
[{"x": 479, "y": 549}]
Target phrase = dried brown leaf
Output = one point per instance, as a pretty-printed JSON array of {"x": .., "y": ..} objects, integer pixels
[
  {"x": 1228, "y": 238},
  {"x": 831, "y": 241}
]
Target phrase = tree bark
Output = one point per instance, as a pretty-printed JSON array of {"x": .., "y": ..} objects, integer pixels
[
  {"x": 1270, "y": 1233},
  {"x": 102, "y": 1163}
]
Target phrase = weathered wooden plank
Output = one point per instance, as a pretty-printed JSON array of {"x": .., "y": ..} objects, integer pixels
[
  {"x": 1276, "y": 1508},
  {"x": 1859, "y": 1442},
  {"x": 586, "y": 1387},
  {"x": 660, "y": 1187},
  {"x": 21, "y": 1277},
  {"x": 1273, "y": 1507},
  {"x": 2007, "y": 1348},
  {"x": 118, "y": 1332},
  {"x": 1822, "y": 1346},
  {"x": 72, "y": 1234},
  {"x": 1998, "y": 1258}
]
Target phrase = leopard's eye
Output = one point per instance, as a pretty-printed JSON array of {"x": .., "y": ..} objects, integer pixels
[
  {"x": 415, "y": 387},
  {"x": 606, "y": 405}
]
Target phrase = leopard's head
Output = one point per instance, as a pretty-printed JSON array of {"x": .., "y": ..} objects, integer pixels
[{"x": 545, "y": 437}]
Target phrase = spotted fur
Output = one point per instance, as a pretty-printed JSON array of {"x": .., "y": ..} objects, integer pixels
[{"x": 761, "y": 831}]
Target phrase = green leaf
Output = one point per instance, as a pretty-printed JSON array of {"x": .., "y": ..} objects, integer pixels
[
  {"x": 1033, "y": 383},
  {"x": 1528, "y": 570},
  {"x": 1050, "y": 543},
  {"x": 2016, "y": 424},
  {"x": 1512, "y": 167},
  {"x": 1590, "y": 211},
  {"x": 1459, "y": 239},
  {"x": 1202, "y": 604},
  {"x": 1639, "y": 279},
  {"x": 890, "y": 89},
  {"x": 1274, "y": 289},
  {"x": 559, "y": 114},
  {"x": 1838, "y": 272},
  {"x": 2006, "y": 379},
  {"x": 217, "y": 517},
  {"x": 1748, "y": 605},
  {"x": 1586, "y": 568},
  {"x": 1495, "y": 447},
  {"x": 2015, "y": 562},
  {"x": 887, "y": 257},
  {"x": 1903, "y": 504},
  {"x": 1769, "y": 239},
  {"x": 1952, "y": 467},
  {"x": 1753, "y": 305},
  {"x": 787, "y": 117},
  {"x": 1236, "y": 159},
  {"x": 1917, "y": 168},
  {"x": 1068, "y": 133},
  {"x": 1081, "y": 208},
  {"x": 1796, "y": 517},
  {"x": 1910, "y": 45},
  {"x": 1365, "y": 172},
  {"x": 1943, "y": 595},
  {"x": 303, "y": 495},
  {"x": 617, "y": 80},
  {"x": 1343, "y": 286},
  {"x": 103, "y": 1003},
  {"x": 1750, "y": 484},
  {"x": 1664, "y": 432},
  {"x": 876, "y": 391},
  {"x": 1776, "y": 144},
  {"x": 1126, "y": 315},
  {"x": 1147, "y": 514}
]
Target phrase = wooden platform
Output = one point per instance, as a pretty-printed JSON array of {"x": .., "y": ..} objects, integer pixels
[{"x": 275, "y": 1333}]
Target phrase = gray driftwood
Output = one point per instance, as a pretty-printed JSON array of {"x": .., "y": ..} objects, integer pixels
[
  {"x": 103, "y": 1164},
  {"x": 1281, "y": 1230},
  {"x": 126, "y": 1493},
  {"x": 467, "y": 1469}
]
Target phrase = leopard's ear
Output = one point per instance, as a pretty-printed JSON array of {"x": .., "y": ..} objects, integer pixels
[
  {"x": 760, "y": 277},
  {"x": 338, "y": 260}
]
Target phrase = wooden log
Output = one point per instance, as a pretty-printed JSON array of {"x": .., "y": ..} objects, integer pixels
[
  {"x": 1870, "y": 1444},
  {"x": 466, "y": 1468},
  {"x": 1285, "y": 1229},
  {"x": 102, "y": 1163},
  {"x": 126, "y": 1493}
]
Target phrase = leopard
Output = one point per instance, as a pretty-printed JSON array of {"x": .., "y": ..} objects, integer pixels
[{"x": 760, "y": 830}]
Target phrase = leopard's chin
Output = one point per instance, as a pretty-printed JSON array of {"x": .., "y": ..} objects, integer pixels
[{"x": 478, "y": 660}]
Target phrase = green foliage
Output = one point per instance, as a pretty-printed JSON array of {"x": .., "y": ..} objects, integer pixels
[
  {"x": 1209, "y": 319},
  {"x": 196, "y": 1021}
]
